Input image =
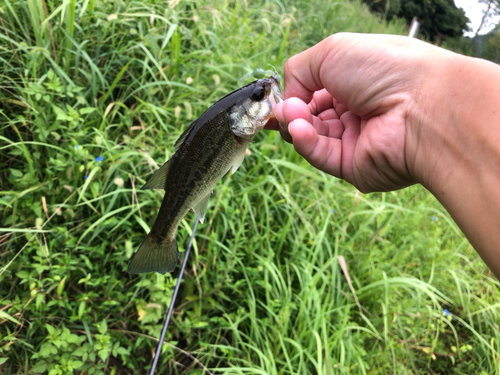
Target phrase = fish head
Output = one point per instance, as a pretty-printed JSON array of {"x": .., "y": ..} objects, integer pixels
[{"x": 256, "y": 109}]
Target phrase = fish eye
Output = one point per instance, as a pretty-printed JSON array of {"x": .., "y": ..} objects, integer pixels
[{"x": 258, "y": 94}]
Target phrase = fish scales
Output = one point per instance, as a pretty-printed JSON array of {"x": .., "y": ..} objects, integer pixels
[
  {"x": 187, "y": 180},
  {"x": 207, "y": 149}
]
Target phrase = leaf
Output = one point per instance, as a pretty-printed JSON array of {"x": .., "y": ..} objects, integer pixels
[
  {"x": 3, "y": 360},
  {"x": 81, "y": 309},
  {"x": 103, "y": 354},
  {"x": 56, "y": 135},
  {"x": 58, "y": 111},
  {"x": 16, "y": 173},
  {"x": 200, "y": 325},
  {"x": 5, "y": 203},
  {"x": 141, "y": 314},
  {"x": 121, "y": 350},
  {"x": 60, "y": 287},
  {"x": 16, "y": 151},
  {"x": 39, "y": 300},
  {"x": 86, "y": 110},
  {"x": 40, "y": 367},
  {"x": 61, "y": 114},
  {"x": 4, "y": 315},
  {"x": 73, "y": 339},
  {"x": 77, "y": 364},
  {"x": 103, "y": 327},
  {"x": 45, "y": 350},
  {"x": 23, "y": 274}
]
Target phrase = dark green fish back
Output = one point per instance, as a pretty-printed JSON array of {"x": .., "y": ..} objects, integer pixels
[{"x": 197, "y": 165}]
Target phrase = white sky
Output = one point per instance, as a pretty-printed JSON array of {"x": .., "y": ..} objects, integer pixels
[{"x": 474, "y": 11}]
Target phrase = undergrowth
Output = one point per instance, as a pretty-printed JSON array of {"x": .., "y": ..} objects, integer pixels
[{"x": 93, "y": 96}]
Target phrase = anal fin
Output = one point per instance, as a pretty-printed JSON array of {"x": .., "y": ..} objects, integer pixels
[
  {"x": 159, "y": 178},
  {"x": 201, "y": 207}
]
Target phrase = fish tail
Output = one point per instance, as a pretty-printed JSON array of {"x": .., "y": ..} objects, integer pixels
[{"x": 155, "y": 255}]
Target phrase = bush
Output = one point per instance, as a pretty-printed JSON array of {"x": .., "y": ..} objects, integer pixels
[{"x": 94, "y": 96}]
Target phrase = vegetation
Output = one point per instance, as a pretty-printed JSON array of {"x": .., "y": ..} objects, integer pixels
[
  {"x": 486, "y": 46},
  {"x": 491, "y": 45},
  {"x": 492, "y": 9},
  {"x": 440, "y": 19},
  {"x": 93, "y": 96}
]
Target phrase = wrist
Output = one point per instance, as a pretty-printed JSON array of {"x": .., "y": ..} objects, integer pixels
[
  {"x": 454, "y": 126},
  {"x": 430, "y": 138}
]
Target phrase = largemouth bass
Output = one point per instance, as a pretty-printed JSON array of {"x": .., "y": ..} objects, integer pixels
[{"x": 206, "y": 150}]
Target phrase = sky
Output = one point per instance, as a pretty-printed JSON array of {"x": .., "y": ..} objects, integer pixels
[{"x": 474, "y": 10}]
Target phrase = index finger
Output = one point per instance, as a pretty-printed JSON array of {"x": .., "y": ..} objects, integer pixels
[{"x": 302, "y": 71}]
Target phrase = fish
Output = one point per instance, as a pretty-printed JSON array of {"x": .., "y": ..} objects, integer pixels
[{"x": 207, "y": 149}]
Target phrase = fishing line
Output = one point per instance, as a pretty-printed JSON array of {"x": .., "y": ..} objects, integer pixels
[{"x": 171, "y": 307}]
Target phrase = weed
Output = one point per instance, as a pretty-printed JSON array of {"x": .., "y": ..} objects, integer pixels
[{"x": 93, "y": 96}]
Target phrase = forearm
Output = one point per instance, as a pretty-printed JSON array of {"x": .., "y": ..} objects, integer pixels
[{"x": 462, "y": 147}]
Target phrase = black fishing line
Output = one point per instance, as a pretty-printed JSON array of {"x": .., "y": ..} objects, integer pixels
[{"x": 171, "y": 307}]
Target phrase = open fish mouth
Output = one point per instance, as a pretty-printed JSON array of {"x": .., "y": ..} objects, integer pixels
[{"x": 277, "y": 94}]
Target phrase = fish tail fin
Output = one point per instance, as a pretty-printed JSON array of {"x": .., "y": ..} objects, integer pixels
[{"x": 155, "y": 255}]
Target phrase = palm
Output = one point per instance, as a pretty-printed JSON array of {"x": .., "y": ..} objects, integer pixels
[{"x": 379, "y": 162}]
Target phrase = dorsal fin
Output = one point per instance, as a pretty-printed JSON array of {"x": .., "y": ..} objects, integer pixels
[
  {"x": 185, "y": 134},
  {"x": 159, "y": 178}
]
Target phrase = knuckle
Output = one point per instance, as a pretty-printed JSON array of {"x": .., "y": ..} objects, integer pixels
[{"x": 289, "y": 65}]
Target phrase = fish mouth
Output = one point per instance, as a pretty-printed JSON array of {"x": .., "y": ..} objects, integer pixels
[
  {"x": 276, "y": 92},
  {"x": 276, "y": 96}
]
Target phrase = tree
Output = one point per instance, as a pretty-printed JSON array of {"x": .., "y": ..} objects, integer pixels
[
  {"x": 491, "y": 45},
  {"x": 439, "y": 19},
  {"x": 492, "y": 8}
]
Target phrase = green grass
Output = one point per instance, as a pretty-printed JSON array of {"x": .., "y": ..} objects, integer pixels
[{"x": 264, "y": 292}]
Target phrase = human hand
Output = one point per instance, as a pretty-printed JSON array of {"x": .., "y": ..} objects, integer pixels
[
  {"x": 384, "y": 112},
  {"x": 351, "y": 100}
]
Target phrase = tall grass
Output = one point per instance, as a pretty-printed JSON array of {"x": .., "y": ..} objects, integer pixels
[{"x": 93, "y": 96}]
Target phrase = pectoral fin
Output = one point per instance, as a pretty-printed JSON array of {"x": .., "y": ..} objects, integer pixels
[
  {"x": 201, "y": 207},
  {"x": 159, "y": 178},
  {"x": 237, "y": 162}
]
